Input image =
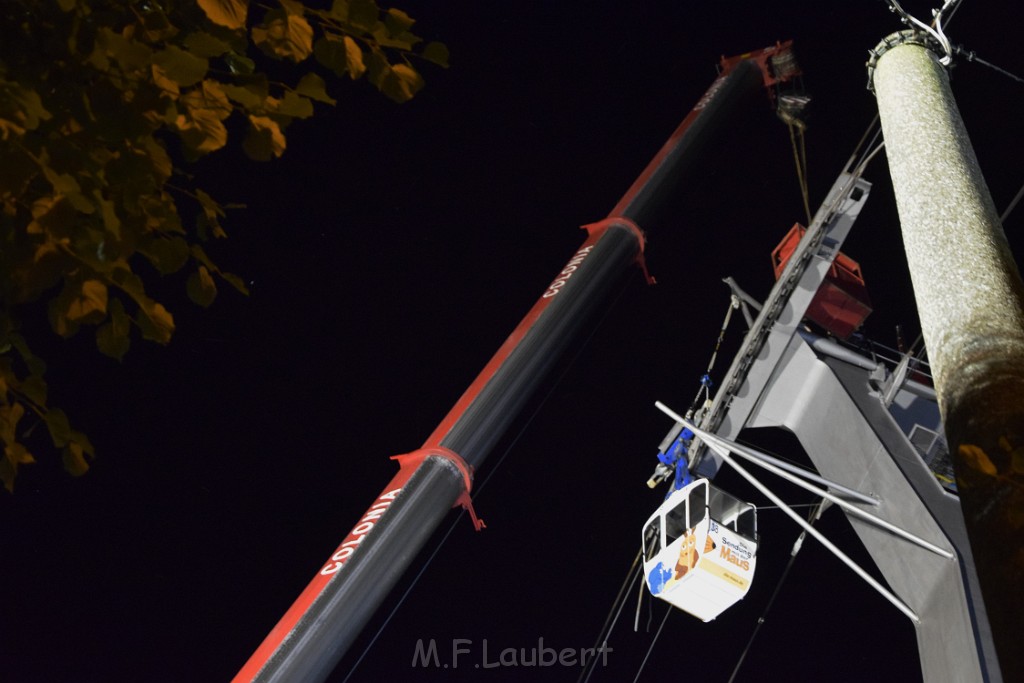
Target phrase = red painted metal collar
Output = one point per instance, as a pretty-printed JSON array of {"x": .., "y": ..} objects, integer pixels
[
  {"x": 595, "y": 229},
  {"x": 414, "y": 459}
]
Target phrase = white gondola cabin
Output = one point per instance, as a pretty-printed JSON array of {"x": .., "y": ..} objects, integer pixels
[{"x": 700, "y": 549}]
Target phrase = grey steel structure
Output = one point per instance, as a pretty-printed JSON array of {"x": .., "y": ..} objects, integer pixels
[{"x": 869, "y": 427}]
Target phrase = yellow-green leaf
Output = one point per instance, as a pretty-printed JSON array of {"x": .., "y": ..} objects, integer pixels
[
  {"x": 398, "y": 22},
  {"x": 21, "y": 109},
  {"x": 34, "y": 363},
  {"x": 9, "y": 416},
  {"x": 161, "y": 214},
  {"x": 210, "y": 206},
  {"x": 158, "y": 157},
  {"x": 169, "y": 88},
  {"x": 404, "y": 43},
  {"x": 130, "y": 54},
  {"x": 209, "y": 97},
  {"x": 155, "y": 25},
  {"x": 227, "y": 13},
  {"x": 239, "y": 64},
  {"x": 212, "y": 213},
  {"x": 264, "y": 140},
  {"x": 183, "y": 67},
  {"x": 200, "y": 126},
  {"x": 295, "y": 105},
  {"x": 155, "y": 322},
  {"x": 59, "y": 321},
  {"x": 329, "y": 50},
  {"x": 63, "y": 183},
  {"x": 34, "y": 389},
  {"x": 112, "y": 338},
  {"x": 18, "y": 454},
  {"x": 167, "y": 254},
  {"x": 59, "y": 427},
  {"x": 109, "y": 214},
  {"x": 201, "y": 287},
  {"x": 199, "y": 254},
  {"x": 363, "y": 14},
  {"x": 235, "y": 282},
  {"x": 250, "y": 96},
  {"x": 130, "y": 282},
  {"x": 437, "y": 53},
  {"x": 74, "y": 459},
  {"x": 354, "y": 59},
  {"x": 41, "y": 208},
  {"x": 83, "y": 441},
  {"x": 314, "y": 87},
  {"x": 284, "y": 35},
  {"x": 78, "y": 303},
  {"x": 401, "y": 83},
  {"x": 202, "y": 44},
  {"x": 91, "y": 303},
  {"x": 339, "y": 10},
  {"x": 14, "y": 455}
]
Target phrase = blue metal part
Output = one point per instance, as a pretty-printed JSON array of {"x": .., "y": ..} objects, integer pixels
[{"x": 676, "y": 457}]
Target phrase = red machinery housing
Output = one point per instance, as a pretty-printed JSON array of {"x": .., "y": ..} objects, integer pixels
[{"x": 841, "y": 304}]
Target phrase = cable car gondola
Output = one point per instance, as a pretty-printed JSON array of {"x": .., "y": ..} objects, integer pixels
[{"x": 700, "y": 549}]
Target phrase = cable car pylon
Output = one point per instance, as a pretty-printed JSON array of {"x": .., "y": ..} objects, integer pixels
[{"x": 970, "y": 298}]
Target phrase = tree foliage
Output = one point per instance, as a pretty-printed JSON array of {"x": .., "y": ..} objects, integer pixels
[{"x": 97, "y": 100}]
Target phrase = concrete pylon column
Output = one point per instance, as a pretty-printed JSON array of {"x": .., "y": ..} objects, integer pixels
[{"x": 971, "y": 303}]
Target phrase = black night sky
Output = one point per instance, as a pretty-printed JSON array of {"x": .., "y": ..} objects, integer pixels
[{"x": 389, "y": 253}]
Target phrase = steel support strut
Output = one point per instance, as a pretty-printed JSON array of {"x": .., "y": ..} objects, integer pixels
[{"x": 323, "y": 622}]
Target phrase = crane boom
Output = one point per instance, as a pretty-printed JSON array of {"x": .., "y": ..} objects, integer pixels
[{"x": 317, "y": 630}]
